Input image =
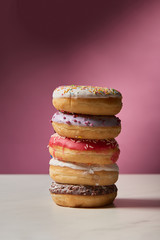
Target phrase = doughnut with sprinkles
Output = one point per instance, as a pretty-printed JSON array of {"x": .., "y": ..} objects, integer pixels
[
  {"x": 86, "y": 126},
  {"x": 84, "y": 150},
  {"x": 87, "y": 100}
]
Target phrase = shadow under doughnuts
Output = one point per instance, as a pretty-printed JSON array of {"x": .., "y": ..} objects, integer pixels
[
  {"x": 132, "y": 203},
  {"x": 136, "y": 203}
]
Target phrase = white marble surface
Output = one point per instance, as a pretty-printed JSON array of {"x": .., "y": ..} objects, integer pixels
[{"x": 28, "y": 212}]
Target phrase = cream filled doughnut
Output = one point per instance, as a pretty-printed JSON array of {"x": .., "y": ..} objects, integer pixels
[
  {"x": 87, "y": 100},
  {"x": 83, "y": 174},
  {"x": 82, "y": 196},
  {"x": 86, "y": 126},
  {"x": 84, "y": 150}
]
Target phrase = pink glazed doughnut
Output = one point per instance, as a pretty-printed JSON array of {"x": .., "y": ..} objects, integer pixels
[
  {"x": 87, "y": 100},
  {"x": 83, "y": 150},
  {"x": 86, "y": 126}
]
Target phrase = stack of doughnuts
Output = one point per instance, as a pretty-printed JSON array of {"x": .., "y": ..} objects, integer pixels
[{"x": 84, "y": 150}]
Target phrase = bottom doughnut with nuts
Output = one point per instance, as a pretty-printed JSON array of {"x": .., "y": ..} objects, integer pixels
[{"x": 67, "y": 195}]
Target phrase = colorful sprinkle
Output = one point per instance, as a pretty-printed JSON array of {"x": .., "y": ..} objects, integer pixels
[{"x": 75, "y": 90}]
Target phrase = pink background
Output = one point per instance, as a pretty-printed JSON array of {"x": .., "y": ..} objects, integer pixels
[{"x": 45, "y": 44}]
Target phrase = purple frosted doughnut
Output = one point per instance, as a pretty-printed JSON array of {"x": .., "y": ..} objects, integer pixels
[{"x": 85, "y": 126}]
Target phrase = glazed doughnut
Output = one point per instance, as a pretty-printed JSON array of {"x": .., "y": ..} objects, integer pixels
[
  {"x": 83, "y": 174},
  {"x": 83, "y": 150},
  {"x": 87, "y": 100},
  {"x": 86, "y": 126},
  {"x": 82, "y": 196}
]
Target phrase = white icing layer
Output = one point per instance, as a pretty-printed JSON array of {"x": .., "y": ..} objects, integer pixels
[
  {"x": 90, "y": 169},
  {"x": 84, "y": 92}
]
